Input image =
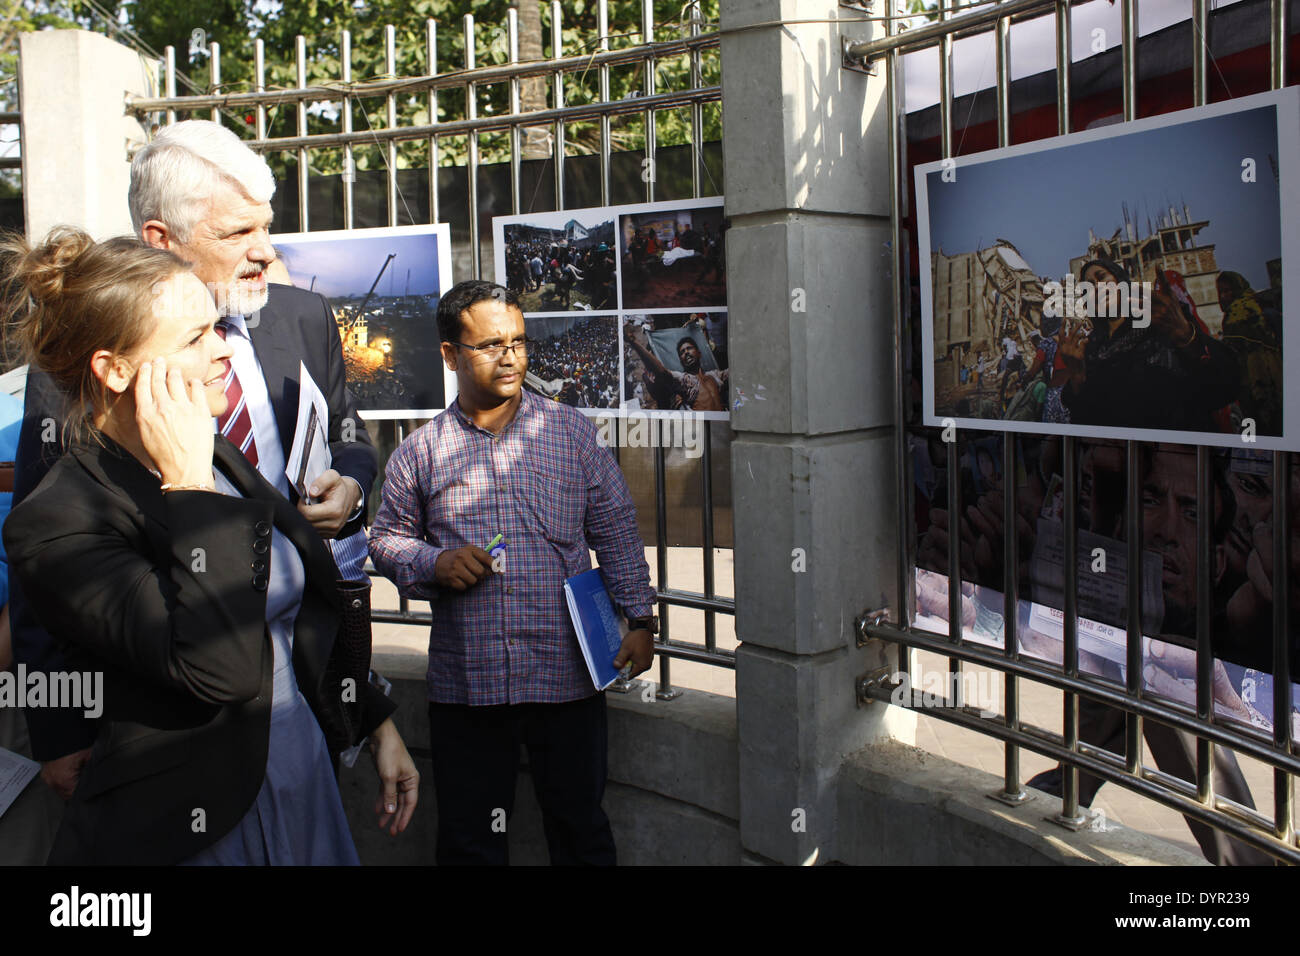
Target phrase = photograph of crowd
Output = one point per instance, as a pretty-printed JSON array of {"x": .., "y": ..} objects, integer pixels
[
  {"x": 562, "y": 262},
  {"x": 665, "y": 356},
  {"x": 1122, "y": 291},
  {"x": 1242, "y": 534},
  {"x": 383, "y": 286},
  {"x": 574, "y": 359},
  {"x": 675, "y": 362},
  {"x": 674, "y": 258}
]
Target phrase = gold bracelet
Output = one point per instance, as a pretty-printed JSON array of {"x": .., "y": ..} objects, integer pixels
[{"x": 171, "y": 487}]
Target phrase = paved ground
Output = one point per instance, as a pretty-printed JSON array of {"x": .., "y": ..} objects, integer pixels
[{"x": 1039, "y": 705}]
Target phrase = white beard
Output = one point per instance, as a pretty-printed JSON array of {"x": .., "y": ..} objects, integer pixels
[{"x": 235, "y": 298}]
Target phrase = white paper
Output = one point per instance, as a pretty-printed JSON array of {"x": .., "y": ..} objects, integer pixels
[
  {"x": 310, "y": 456},
  {"x": 16, "y": 772}
]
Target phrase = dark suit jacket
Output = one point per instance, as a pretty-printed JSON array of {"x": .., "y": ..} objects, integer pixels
[
  {"x": 294, "y": 325},
  {"x": 108, "y": 563}
]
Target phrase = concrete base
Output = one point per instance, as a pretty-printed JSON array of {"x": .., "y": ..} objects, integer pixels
[
  {"x": 904, "y": 806},
  {"x": 672, "y": 799}
]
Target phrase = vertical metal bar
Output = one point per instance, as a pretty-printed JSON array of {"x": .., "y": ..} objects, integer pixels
[
  {"x": 1064, "y": 57},
  {"x": 1070, "y": 815},
  {"x": 431, "y": 67},
  {"x": 648, "y": 35},
  {"x": 697, "y": 109},
  {"x": 1278, "y": 16},
  {"x": 1283, "y": 811},
  {"x": 954, "y": 567},
  {"x": 300, "y": 44},
  {"x": 214, "y": 76},
  {"x": 512, "y": 41},
  {"x": 1283, "y": 825},
  {"x": 1070, "y": 565},
  {"x": 1204, "y": 607},
  {"x": 169, "y": 80},
  {"x": 1002, "y": 60},
  {"x": 557, "y": 152},
  {"x": 1133, "y": 636},
  {"x": 665, "y": 691},
  {"x": 904, "y": 599},
  {"x": 349, "y": 163},
  {"x": 1128, "y": 57},
  {"x": 471, "y": 162},
  {"x": 1133, "y": 728},
  {"x": 1200, "y": 52},
  {"x": 1011, "y": 789},
  {"x": 945, "y": 84},
  {"x": 706, "y": 462},
  {"x": 259, "y": 78},
  {"x": 954, "y": 469},
  {"x": 706, "y": 492},
  {"x": 390, "y": 120},
  {"x": 602, "y": 23}
]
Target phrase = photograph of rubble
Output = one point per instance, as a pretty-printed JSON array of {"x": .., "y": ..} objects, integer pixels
[
  {"x": 1106, "y": 286},
  {"x": 383, "y": 285}
]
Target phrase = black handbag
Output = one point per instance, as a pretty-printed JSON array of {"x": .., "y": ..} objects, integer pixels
[{"x": 348, "y": 669}]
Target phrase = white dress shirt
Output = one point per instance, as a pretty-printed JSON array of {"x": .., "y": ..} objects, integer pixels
[{"x": 270, "y": 453}]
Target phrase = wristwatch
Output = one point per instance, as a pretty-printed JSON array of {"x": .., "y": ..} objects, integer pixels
[{"x": 650, "y": 624}]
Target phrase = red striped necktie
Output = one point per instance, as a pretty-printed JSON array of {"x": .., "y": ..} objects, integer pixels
[{"x": 236, "y": 423}]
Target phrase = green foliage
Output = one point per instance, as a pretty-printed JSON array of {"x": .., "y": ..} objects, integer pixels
[{"x": 235, "y": 24}]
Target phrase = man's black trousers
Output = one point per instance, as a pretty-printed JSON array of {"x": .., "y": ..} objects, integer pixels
[{"x": 475, "y": 761}]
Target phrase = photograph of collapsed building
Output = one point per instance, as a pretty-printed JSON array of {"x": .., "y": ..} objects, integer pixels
[
  {"x": 676, "y": 362},
  {"x": 561, "y": 262},
  {"x": 1108, "y": 287},
  {"x": 383, "y": 286},
  {"x": 674, "y": 257},
  {"x": 573, "y": 359}
]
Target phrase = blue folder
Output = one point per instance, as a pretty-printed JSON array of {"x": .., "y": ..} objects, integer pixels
[{"x": 600, "y": 628}]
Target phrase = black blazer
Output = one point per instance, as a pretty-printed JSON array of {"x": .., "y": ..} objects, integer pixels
[
  {"x": 110, "y": 567},
  {"x": 295, "y": 325}
]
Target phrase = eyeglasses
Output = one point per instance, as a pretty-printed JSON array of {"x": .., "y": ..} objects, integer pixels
[{"x": 494, "y": 352}]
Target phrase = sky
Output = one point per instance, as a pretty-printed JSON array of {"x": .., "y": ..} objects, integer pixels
[
  {"x": 344, "y": 267},
  {"x": 1045, "y": 202}
]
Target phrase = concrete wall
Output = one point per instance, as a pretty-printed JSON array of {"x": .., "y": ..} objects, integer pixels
[
  {"x": 76, "y": 134},
  {"x": 812, "y": 466}
]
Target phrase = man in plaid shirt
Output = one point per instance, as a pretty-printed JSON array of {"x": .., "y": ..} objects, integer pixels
[{"x": 505, "y": 667}]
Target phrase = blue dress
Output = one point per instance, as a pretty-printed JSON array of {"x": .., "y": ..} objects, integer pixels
[{"x": 297, "y": 818}]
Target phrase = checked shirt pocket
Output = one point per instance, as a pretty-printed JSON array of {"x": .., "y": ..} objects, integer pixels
[{"x": 557, "y": 497}]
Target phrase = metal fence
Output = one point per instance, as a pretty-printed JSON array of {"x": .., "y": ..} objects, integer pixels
[
  {"x": 1195, "y": 798},
  {"x": 468, "y": 81}
]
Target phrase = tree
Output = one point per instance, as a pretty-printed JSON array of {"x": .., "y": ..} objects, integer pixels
[
  {"x": 237, "y": 23},
  {"x": 151, "y": 25}
]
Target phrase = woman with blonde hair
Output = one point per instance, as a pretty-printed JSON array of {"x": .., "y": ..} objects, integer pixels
[{"x": 161, "y": 558}]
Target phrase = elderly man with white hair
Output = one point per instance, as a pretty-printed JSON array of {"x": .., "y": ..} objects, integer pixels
[{"x": 200, "y": 192}]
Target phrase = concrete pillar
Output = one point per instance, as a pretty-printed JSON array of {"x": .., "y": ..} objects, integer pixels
[
  {"x": 76, "y": 134},
  {"x": 807, "y": 192}
]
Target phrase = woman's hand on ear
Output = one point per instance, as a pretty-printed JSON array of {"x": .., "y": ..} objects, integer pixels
[{"x": 175, "y": 424}]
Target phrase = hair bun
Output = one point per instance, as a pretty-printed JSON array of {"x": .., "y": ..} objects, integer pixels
[{"x": 45, "y": 267}]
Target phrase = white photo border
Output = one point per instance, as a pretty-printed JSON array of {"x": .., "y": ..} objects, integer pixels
[{"x": 1286, "y": 102}]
